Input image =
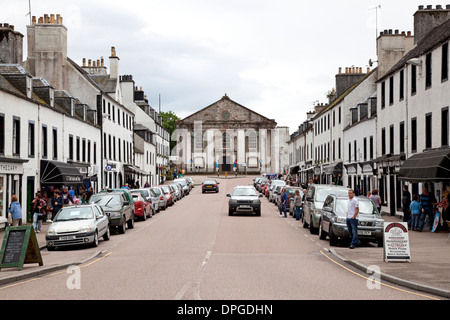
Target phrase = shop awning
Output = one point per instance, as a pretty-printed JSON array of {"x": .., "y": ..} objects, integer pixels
[
  {"x": 427, "y": 166},
  {"x": 294, "y": 169},
  {"x": 333, "y": 169},
  {"x": 60, "y": 173}
]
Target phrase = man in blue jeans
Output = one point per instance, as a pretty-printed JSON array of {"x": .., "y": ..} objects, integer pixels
[
  {"x": 352, "y": 219},
  {"x": 283, "y": 203},
  {"x": 427, "y": 200}
]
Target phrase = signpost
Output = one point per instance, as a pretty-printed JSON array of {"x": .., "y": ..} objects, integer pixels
[
  {"x": 396, "y": 242},
  {"x": 19, "y": 246}
]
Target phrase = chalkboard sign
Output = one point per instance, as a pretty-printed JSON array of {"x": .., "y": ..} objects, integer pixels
[{"x": 19, "y": 246}]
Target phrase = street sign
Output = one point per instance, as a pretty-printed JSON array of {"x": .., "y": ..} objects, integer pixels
[
  {"x": 108, "y": 168},
  {"x": 396, "y": 242},
  {"x": 19, "y": 246}
]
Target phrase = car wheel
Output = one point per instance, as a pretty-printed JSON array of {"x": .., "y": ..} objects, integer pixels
[
  {"x": 51, "y": 248},
  {"x": 333, "y": 237},
  {"x": 130, "y": 222},
  {"x": 230, "y": 211},
  {"x": 305, "y": 224},
  {"x": 107, "y": 234},
  {"x": 144, "y": 217},
  {"x": 322, "y": 233},
  {"x": 312, "y": 229},
  {"x": 123, "y": 227},
  {"x": 380, "y": 244},
  {"x": 95, "y": 243},
  {"x": 258, "y": 212}
]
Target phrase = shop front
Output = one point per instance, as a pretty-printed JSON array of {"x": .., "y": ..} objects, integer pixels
[{"x": 11, "y": 180}]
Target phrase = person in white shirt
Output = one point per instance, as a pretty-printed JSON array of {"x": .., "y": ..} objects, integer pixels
[{"x": 352, "y": 218}]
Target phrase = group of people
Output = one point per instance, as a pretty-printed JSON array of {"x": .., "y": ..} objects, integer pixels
[
  {"x": 421, "y": 207},
  {"x": 46, "y": 205}
]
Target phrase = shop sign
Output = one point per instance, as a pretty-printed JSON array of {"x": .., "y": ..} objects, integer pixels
[
  {"x": 6, "y": 167},
  {"x": 396, "y": 242}
]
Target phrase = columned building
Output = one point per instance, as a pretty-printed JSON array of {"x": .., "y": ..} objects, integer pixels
[{"x": 226, "y": 137}]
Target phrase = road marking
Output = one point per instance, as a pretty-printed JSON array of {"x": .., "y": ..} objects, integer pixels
[{"x": 380, "y": 283}]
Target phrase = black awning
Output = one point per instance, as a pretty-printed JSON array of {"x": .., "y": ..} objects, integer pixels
[
  {"x": 60, "y": 173},
  {"x": 427, "y": 166},
  {"x": 294, "y": 169},
  {"x": 333, "y": 169}
]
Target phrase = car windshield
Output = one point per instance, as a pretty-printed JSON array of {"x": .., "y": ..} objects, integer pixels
[
  {"x": 291, "y": 192},
  {"x": 322, "y": 193},
  {"x": 106, "y": 200},
  {"x": 165, "y": 189},
  {"x": 365, "y": 207},
  {"x": 135, "y": 197},
  {"x": 209, "y": 182},
  {"x": 244, "y": 192},
  {"x": 156, "y": 191},
  {"x": 144, "y": 193},
  {"x": 77, "y": 213}
]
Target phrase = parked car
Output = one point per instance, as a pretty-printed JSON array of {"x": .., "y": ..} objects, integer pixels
[
  {"x": 142, "y": 208},
  {"x": 185, "y": 185},
  {"x": 167, "y": 194},
  {"x": 117, "y": 207},
  {"x": 177, "y": 191},
  {"x": 78, "y": 225},
  {"x": 333, "y": 220},
  {"x": 244, "y": 198},
  {"x": 180, "y": 189},
  {"x": 210, "y": 185},
  {"x": 173, "y": 192},
  {"x": 273, "y": 184},
  {"x": 151, "y": 197},
  {"x": 260, "y": 183},
  {"x": 314, "y": 199},
  {"x": 162, "y": 201}
]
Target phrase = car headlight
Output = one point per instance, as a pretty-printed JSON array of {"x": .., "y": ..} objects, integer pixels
[
  {"x": 379, "y": 223},
  {"x": 85, "y": 229},
  {"x": 340, "y": 220},
  {"x": 51, "y": 231}
]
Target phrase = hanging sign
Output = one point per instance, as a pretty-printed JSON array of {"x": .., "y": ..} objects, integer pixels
[{"x": 396, "y": 242}]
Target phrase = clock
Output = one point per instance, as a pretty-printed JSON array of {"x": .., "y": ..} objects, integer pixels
[{"x": 226, "y": 115}]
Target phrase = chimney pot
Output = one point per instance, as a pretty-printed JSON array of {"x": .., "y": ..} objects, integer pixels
[
  {"x": 84, "y": 62},
  {"x": 439, "y": 7},
  {"x": 89, "y": 62},
  {"x": 52, "y": 19},
  {"x": 33, "y": 20},
  {"x": 429, "y": 7}
]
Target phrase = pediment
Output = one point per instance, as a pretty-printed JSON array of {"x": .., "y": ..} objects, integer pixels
[{"x": 227, "y": 112}]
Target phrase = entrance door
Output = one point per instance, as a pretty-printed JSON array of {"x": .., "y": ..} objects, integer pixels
[
  {"x": 226, "y": 165},
  {"x": 30, "y": 197}
]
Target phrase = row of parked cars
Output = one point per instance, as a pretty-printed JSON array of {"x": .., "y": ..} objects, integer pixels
[
  {"x": 324, "y": 210},
  {"x": 110, "y": 210}
]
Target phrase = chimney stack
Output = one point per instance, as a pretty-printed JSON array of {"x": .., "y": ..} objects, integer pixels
[{"x": 426, "y": 19}]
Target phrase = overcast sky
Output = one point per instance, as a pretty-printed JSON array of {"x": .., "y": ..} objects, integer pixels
[{"x": 276, "y": 57}]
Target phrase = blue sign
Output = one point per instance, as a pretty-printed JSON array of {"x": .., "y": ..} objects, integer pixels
[{"x": 108, "y": 168}]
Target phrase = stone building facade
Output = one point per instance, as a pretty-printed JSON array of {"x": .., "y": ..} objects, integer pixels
[{"x": 228, "y": 137}]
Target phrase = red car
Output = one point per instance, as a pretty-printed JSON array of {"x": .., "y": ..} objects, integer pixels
[
  {"x": 167, "y": 194},
  {"x": 142, "y": 208}
]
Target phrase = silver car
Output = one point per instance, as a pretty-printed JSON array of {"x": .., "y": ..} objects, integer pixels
[
  {"x": 273, "y": 184},
  {"x": 184, "y": 184},
  {"x": 78, "y": 225},
  {"x": 334, "y": 215},
  {"x": 162, "y": 201},
  {"x": 244, "y": 198}
]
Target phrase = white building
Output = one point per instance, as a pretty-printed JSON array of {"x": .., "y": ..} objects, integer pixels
[
  {"x": 413, "y": 119},
  {"x": 40, "y": 129}
]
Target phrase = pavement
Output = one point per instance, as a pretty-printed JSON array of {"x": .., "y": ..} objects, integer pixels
[{"x": 427, "y": 272}]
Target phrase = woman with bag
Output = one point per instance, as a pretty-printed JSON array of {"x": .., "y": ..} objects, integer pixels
[
  {"x": 38, "y": 207},
  {"x": 297, "y": 204},
  {"x": 15, "y": 210}
]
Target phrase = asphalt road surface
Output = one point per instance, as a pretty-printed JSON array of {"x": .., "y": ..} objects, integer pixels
[{"x": 195, "y": 251}]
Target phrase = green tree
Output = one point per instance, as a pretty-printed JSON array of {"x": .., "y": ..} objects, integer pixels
[{"x": 169, "y": 122}]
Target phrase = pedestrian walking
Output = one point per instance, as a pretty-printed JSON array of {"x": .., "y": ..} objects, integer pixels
[
  {"x": 406, "y": 201},
  {"x": 283, "y": 202},
  {"x": 57, "y": 203},
  {"x": 38, "y": 206},
  {"x": 15, "y": 210},
  {"x": 376, "y": 199},
  {"x": 427, "y": 200},
  {"x": 416, "y": 209},
  {"x": 353, "y": 218},
  {"x": 297, "y": 204}
]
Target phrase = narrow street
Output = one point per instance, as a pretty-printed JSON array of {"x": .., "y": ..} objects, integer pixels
[{"x": 195, "y": 251}]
